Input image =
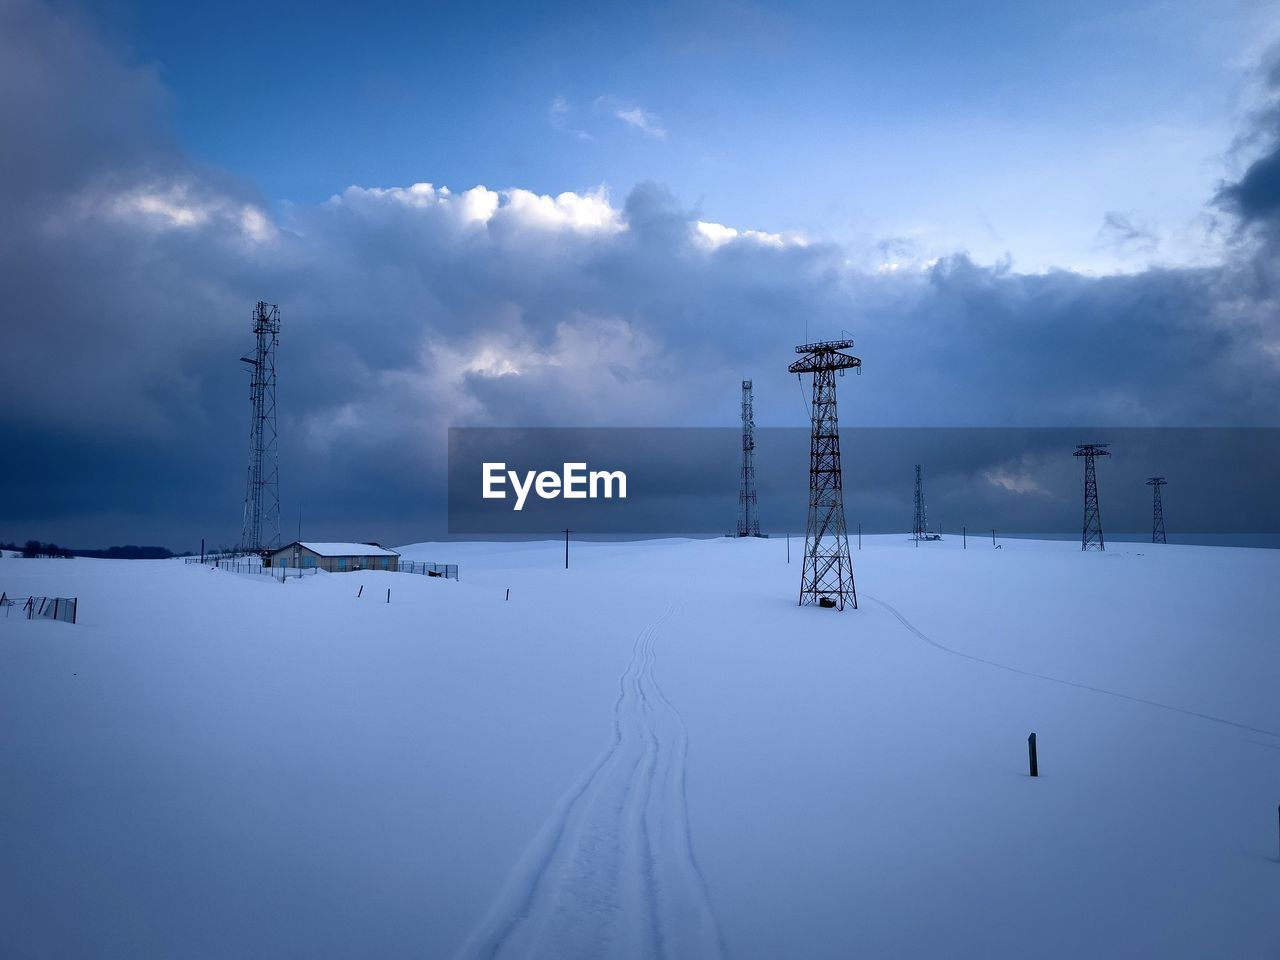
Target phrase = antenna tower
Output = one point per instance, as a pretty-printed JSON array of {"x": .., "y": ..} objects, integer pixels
[
  {"x": 748, "y": 517},
  {"x": 827, "y": 577},
  {"x": 262, "y": 489},
  {"x": 1091, "y": 537},
  {"x": 1157, "y": 510},
  {"x": 919, "y": 527}
]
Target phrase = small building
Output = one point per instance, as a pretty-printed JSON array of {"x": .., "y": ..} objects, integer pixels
[{"x": 334, "y": 557}]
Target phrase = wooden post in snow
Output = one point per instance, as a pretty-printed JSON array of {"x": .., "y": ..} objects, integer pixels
[{"x": 1031, "y": 755}]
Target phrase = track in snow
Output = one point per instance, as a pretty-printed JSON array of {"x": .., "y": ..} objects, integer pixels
[
  {"x": 612, "y": 873},
  {"x": 1068, "y": 683}
]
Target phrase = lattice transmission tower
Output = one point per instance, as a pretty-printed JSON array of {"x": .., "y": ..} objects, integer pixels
[
  {"x": 261, "y": 528},
  {"x": 827, "y": 577},
  {"x": 919, "y": 525},
  {"x": 748, "y": 516},
  {"x": 1157, "y": 510},
  {"x": 1091, "y": 537}
]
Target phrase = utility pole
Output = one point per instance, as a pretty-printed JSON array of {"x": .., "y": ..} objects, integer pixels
[
  {"x": 827, "y": 578},
  {"x": 1157, "y": 510},
  {"x": 1091, "y": 535}
]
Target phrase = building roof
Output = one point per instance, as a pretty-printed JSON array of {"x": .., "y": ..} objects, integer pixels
[{"x": 346, "y": 549}]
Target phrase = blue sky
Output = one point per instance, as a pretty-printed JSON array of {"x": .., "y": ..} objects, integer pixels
[{"x": 1004, "y": 129}]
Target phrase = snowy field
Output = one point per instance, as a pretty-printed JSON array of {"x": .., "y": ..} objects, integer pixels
[{"x": 653, "y": 754}]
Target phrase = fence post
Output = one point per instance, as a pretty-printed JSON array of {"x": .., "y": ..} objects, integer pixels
[
  {"x": 388, "y": 594},
  {"x": 1031, "y": 755}
]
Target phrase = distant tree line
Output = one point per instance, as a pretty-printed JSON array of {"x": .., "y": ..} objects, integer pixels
[
  {"x": 128, "y": 553},
  {"x": 34, "y": 548}
]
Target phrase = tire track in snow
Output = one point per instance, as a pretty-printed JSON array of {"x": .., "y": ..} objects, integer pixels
[
  {"x": 612, "y": 873},
  {"x": 1069, "y": 683}
]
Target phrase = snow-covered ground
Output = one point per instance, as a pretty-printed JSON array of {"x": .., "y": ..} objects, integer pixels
[{"x": 652, "y": 754}]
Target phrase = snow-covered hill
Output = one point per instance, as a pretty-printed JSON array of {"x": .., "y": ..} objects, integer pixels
[{"x": 652, "y": 754}]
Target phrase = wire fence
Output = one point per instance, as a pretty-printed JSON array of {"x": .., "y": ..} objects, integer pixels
[
  {"x": 255, "y": 565},
  {"x": 447, "y": 570},
  {"x": 41, "y": 608},
  {"x": 239, "y": 564}
]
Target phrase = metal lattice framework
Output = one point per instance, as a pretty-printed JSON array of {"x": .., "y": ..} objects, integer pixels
[
  {"x": 1091, "y": 536},
  {"x": 919, "y": 525},
  {"x": 748, "y": 517},
  {"x": 1157, "y": 510},
  {"x": 827, "y": 576},
  {"x": 261, "y": 528}
]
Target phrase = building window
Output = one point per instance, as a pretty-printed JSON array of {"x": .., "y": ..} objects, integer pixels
[
  {"x": 308, "y": 561},
  {"x": 385, "y": 563},
  {"x": 342, "y": 563}
]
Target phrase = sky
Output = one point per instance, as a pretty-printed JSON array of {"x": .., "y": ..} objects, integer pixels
[{"x": 594, "y": 215}]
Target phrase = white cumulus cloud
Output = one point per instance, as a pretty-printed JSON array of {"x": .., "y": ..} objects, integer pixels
[
  {"x": 589, "y": 212},
  {"x": 712, "y": 236}
]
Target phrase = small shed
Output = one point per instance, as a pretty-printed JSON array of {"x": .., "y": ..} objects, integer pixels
[{"x": 334, "y": 557}]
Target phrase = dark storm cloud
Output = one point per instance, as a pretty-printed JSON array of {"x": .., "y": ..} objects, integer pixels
[
  {"x": 1160, "y": 347},
  {"x": 129, "y": 274},
  {"x": 1255, "y": 197}
]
